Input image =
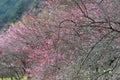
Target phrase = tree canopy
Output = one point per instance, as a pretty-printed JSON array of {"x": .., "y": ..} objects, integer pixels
[{"x": 67, "y": 40}]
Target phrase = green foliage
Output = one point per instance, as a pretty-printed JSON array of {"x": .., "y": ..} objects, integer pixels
[{"x": 24, "y": 78}]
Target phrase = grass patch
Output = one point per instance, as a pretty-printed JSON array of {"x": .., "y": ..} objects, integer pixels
[{"x": 24, "y": 78}]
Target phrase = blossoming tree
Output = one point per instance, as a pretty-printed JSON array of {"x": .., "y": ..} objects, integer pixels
[{"x": 68, "y": 40}]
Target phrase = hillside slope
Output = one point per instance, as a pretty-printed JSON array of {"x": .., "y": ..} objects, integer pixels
[{"x": 11, "y": 10}]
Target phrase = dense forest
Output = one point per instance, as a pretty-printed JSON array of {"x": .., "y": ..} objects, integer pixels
[{"x": 11, "y": 10}]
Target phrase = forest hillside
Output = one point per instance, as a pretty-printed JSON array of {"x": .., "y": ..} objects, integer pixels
[{"x": 11, "y": 10}]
